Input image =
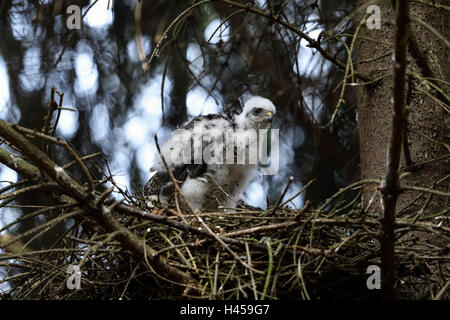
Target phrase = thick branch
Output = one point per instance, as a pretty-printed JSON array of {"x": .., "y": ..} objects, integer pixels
[{"x": 20, "y": 166}]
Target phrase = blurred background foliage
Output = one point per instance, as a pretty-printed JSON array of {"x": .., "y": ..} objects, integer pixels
[{"x": 215, "y": 55}]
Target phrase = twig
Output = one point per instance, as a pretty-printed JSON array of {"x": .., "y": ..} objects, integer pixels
[
  {"x": 298, "y": 193},
  {"x": 275, "y": 207},
  {"x": 269, "y": 268}
]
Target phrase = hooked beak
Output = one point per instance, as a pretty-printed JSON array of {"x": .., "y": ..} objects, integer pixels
[{"x": 269, "y": 115}]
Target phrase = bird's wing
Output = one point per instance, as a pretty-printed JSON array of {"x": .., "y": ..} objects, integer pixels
[
  {"x": 207, "y": 121},
  {"x": 230, "y": 110},
  {"x": 160, "y": 182}
]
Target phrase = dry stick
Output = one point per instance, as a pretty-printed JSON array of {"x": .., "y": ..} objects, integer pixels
[
  {"x": 221, "y": 189},
  {"x": 298, "y": 193},
  {"x": 442, "y": 291},
  {"x": 216, "y": 273},
  {"x": 47, "y": 128},
  {"x": 19, "y": 165},
  {"x": 357, "y": 184},
  {"x": 58, "y": 114},
  {"x": 40, "y": 186},
  {"x": 252, "y": 278},
  {"x": 277, "y": 204},
  {"x": 48, "y": 117},
  {"x": 390, "y": 187},
  {"x": 12, "y": 185},
  {"x": 427, "y": 190}
]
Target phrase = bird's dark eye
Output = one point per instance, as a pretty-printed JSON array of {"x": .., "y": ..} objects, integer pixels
[{"x": 257, "y": 111}]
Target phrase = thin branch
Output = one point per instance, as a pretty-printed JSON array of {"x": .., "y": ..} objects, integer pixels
[{"x": 390, "y": 188}]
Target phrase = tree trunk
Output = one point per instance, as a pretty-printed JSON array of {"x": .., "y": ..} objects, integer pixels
[{"x": 426, "y": 151}]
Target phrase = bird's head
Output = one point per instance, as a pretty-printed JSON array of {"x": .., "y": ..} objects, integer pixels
[{"x": 257, "y": 113}]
